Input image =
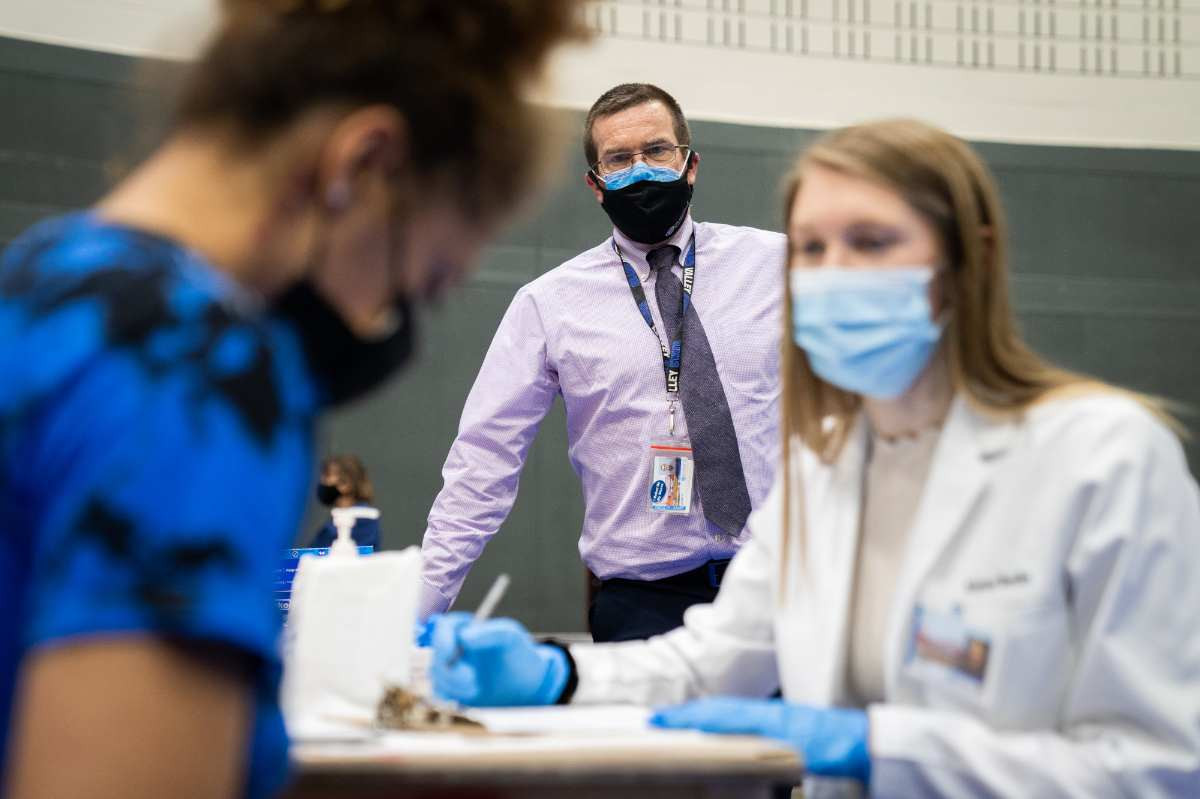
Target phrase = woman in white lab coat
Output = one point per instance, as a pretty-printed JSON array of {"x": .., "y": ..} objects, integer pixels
[{"x": 977, "y": 575}]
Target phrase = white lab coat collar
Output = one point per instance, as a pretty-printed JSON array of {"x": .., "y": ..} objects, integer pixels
[
  {"x": 991, "y": 433},
  {"x": 635, "y": 253}
]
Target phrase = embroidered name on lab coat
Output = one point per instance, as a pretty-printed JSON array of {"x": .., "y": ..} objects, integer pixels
[{"x": 999, "y": 581}]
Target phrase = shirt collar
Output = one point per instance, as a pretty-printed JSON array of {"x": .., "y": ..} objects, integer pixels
[{"x": 635, "y": 252}]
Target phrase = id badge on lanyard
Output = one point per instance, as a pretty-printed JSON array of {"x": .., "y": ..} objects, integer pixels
[
  {"x": 672, "y": 467},
  {"x": 672, "y": 473}
]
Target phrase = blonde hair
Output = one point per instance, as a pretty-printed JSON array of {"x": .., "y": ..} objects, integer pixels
[{"x": 948, "y": 184}]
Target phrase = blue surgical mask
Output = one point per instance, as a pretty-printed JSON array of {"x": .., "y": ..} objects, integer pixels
[
  {"x": 865, "y": 330},
  {"x": 637, "y": 173}
]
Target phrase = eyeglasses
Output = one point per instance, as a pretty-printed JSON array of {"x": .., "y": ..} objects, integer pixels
[{"x": 657, "y": 155}]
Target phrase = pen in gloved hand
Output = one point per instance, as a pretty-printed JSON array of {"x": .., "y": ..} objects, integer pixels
[
  {"x": 485, "y": 662},
  {"x": 485, "y": 609},
  {"x": 492, "y": 598}
]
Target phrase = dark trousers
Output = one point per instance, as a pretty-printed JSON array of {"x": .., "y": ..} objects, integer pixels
[{"x": 630, "y": 610}]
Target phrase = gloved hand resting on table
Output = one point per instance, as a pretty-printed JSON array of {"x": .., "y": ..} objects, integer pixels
[
  {"x": 494, "y": 663},
  {"x": 833, "y": 741}
]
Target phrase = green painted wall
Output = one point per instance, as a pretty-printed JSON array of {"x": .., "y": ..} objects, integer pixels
[{"x": 1106, "y": 281}]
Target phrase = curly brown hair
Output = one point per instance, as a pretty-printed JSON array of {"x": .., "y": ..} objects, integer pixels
[{"x": 457, "y": 71}]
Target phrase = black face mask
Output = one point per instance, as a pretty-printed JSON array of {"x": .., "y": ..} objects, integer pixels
[
  {"x": 327, "y": 494},
  {"x": 345, "y": 365},
  {"x": 649, "y": 211}
]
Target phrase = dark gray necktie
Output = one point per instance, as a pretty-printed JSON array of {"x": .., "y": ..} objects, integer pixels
[{"x": 719, "y": 474}]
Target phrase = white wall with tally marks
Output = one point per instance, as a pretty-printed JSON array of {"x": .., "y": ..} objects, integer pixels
[
  {"x": 1120, "y": 73},
  {"x": 1080, "y": 72}
]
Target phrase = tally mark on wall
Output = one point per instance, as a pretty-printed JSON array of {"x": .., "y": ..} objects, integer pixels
[{"x": 1150, "y": 39}]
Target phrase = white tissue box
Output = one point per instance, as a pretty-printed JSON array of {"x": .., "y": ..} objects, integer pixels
[{"x": 349, "y": 634}]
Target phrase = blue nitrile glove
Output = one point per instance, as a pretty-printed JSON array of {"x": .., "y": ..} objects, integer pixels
[
  {"x": 494, "y": 663},
  {"x": 833, "y": 741},
  {"x": 423, "y": 634}
]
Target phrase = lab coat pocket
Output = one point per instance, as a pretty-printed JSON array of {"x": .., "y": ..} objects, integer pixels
[
  {"x": 1030, "y": 664},
  {"x": 1003, "y": 661}
]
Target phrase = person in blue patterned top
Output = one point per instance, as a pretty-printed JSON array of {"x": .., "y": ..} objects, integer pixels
[{"x": 165, "y": 354}]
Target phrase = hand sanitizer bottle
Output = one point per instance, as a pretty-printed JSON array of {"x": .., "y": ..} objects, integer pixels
[{"x": 343, "y": 520}]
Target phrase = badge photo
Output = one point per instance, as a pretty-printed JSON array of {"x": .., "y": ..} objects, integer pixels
[
  {"x": 672, "y": 473},
  {"x": 945, "y": 650}
]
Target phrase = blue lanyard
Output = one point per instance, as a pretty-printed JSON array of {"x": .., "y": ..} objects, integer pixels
[{"x": 672, "y": 355}]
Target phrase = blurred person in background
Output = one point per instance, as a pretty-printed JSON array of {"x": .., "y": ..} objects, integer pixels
[
  {"x": 344, "y": 484},
  {"x": 166, "y": 353}
]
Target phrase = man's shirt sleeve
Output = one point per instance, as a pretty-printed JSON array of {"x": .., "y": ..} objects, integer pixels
[{"x": 513, "y": 393}]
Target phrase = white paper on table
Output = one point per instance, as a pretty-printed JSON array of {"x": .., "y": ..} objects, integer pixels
[
  {"x": 596, "y": 721},
  {"x": 564, "y": 720},
  {"x": 413, "y": 744},
  {"x": 349, "y": 635},
  {"x": 588, "y": 731},
  {"x": 313, "y": 728}
]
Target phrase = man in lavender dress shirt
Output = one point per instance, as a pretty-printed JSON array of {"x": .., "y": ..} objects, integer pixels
[{"x": 583, "y": 330}]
